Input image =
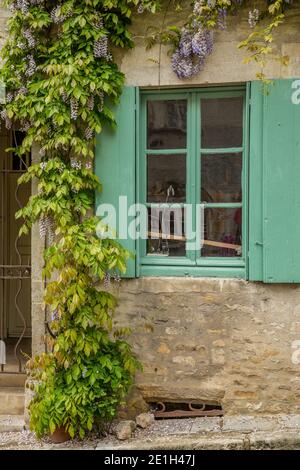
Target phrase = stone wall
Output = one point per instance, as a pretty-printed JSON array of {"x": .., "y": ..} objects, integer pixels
[
  {"x": 4, "y": 15},
  {"x": 225, "y": 65},
  {"x": 219, "y": 341}
]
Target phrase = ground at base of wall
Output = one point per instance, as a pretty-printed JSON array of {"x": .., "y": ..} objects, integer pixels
[{"x": 236, "y": 432}]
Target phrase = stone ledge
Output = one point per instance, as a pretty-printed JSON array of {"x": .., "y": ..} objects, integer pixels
[
  {"x": 252, "y": 433},
  {"x": 11, "y": 423},
  {"x": 232, "y": 432},
  {"x": 206, "y": 392}
]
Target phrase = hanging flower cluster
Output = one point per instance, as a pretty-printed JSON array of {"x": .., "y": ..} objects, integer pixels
[
  {"x": 194, "y": 46},
  {"x": 253, "y": 17},
  {"x": 193, "y": 42}
]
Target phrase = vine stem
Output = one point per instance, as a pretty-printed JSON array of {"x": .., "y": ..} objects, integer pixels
[{"x": 160, "y": 42}]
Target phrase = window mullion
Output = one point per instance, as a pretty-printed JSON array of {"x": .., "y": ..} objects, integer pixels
[
  {"x": 192, "y": 182},
  {"x": 198, "y": 163}
]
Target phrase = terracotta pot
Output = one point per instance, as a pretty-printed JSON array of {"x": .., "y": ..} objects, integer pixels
[{"x": 60, "y": 435}]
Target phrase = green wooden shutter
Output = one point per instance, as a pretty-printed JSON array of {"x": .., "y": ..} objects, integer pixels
[
  {"x": 274, "y": 212},
  {"x": 255, "y": 264},
  {"x": 115, "y": 162}
]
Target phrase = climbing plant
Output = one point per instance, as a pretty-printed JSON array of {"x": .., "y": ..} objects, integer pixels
[
  {"x": 192, "y": 42},
  {"x": 61, "y": 80}
]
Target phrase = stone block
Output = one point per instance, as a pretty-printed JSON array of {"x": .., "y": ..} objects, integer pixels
[
  {"x": 144, "y": 420},
  {"x": 124, "y": 429}
]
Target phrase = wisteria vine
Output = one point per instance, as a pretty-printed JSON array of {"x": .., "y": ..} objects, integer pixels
[
  {"x": 61, "y": 79},
  {"x": 193, "y": 42}
]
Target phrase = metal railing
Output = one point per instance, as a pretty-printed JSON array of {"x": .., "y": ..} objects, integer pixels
[{"x": 15, "y": 269}]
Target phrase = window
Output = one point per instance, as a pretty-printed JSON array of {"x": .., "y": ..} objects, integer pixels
[
  {"x": 192, "y": 164},
  {"x": 190, "y": 147}
]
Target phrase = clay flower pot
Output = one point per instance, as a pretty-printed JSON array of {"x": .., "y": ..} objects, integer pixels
[{"x": 60, "y": 435}]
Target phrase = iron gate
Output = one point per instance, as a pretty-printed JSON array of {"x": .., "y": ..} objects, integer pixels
[{"x": 15, "y": 261}]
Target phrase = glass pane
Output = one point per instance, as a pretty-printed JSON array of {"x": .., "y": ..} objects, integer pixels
[
  {"x": 221, "y": 177},
  {"x": 166, "y": 232},
  {"x": 222, "y": 122},
  {"x": 166, "y": 124},
  {"x": 166, "y": 178},
  {"x": 222, "y": 232}
]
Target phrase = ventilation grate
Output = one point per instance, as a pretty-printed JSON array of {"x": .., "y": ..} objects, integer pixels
[{"x": 163, "y": 410}]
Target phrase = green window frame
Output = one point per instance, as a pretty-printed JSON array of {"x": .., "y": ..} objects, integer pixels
[
  {"x": 192, "y": 264},
  {"x": 271, "y": 196}
]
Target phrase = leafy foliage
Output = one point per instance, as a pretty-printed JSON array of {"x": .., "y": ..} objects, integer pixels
[
  {"x": 60, "y": 79},
  {"x": 192, "y": 42},
  {"x": 90, "y": 369}
]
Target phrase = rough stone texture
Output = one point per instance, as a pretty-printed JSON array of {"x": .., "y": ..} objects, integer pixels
[
  {"x": 144, "y": 420},
  {"x": 181, "y": 326},
  {"x": 262, "y": 432},
  {"x": 217, "y": 441},
  {"x": 37, "y": 285},
  {"x": 11, "y": 423},
  {"x": 134, "y": 405},
  {"x": 124, "y": 430},
  {"x": 11, "y": 400}
]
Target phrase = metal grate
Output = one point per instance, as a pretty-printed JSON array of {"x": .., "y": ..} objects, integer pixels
[
  {"x": 189, "y": 409},
  {"x": 15, "y": 260}
]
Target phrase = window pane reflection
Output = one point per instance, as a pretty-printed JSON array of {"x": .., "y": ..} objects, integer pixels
[
  {"x": 166, "y": 127},
  {"x": 222, "y": 232},
  {"x": 166, "y": 232},
  {"x": 221, "y": 178},
  {"x": 166, "y": 178},
  {"x": 222, "y": 122}
]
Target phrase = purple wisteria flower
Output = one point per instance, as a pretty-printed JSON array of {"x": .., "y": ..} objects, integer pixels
[
  {"x": 106, "y": 280},
  {"x": 74, "y": 108},
  {"x": 197, "y": 8},
  {"x": 58, "y": 17},
  {"x": 186, "y": 67},
  {"x": 253, "y": 17},
  {"x": 185, "y": 43},
  {"x": 222, "y": 18},
  {"x": 88, "y": 133},
  {"x": 4, "y": 117},
  {"x": 31, "y": 66},
  {"x": 30, "y": 38},
  {"x": 211, "y": 3},
  {"x": 194, "y": 46},
  {"x": 101, "y": 47},
  {"x": 202, "y": 43},
  {"x": 55, "y": 315},
  {"x": 90, "y": 103},
  {"x": 98, "y": 22}
]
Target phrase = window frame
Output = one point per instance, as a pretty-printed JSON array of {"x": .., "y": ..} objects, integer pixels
[{"x": 192, "y": 265}]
